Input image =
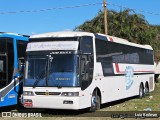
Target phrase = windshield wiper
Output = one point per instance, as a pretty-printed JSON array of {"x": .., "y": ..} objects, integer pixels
[
  {"x": 37, "y": 80},
  {"x": 42, "y": 73}
]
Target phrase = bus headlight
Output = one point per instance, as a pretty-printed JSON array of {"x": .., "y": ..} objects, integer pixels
[
  {"x": 70, "y": 94},
  {"x": 28, "y": 93}
]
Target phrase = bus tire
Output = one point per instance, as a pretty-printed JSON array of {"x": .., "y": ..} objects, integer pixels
[
  {"x": 141, "y": 91},
  {"x": 146, "y": 90},
  {"x": 95, "y": 102},
  {"x": 19, "y": 105}
]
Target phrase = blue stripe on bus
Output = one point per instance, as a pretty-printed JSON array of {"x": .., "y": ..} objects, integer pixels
[{"x": 10, "y": 98}]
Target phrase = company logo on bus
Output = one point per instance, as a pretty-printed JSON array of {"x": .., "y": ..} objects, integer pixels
[
  {"x": 59, "y": 45},
  {"x": 129, "y": 76},
  {"x": 47, "y": 93}
]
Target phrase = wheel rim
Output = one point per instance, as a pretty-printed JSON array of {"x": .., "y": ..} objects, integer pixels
[{"x": 93, "y": 101}]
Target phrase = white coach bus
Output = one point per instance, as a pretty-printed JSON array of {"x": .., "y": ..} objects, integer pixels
[{"x": 77, "y": 70}]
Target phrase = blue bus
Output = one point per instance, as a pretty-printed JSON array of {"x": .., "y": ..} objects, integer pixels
[{"x": 12, "y": 53}]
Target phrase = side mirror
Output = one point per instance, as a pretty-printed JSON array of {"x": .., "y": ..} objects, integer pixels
[
  {"x": 82, "y": 66},
  {"x": 87, "y": 65},
  {"x": 1, "y": 66},
  {"x": 85, "y": 69},
  {"x": 21, "y": 65},
  {"x": 16, "y": 80}
]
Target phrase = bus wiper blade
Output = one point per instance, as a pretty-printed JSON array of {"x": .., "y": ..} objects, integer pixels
[
  {"x": 41, "y": 76},
  {"x": 36, "y": 82}
]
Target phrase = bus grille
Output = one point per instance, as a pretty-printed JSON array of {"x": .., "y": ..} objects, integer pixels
[{"x": 47, "y": 93}]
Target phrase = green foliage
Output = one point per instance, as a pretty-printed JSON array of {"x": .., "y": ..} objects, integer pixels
[{"x": 128, "y": 25}]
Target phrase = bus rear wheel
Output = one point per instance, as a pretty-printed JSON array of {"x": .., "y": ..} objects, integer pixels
[
  {"x": 141, "y": 91},
  {"x": 95, "y": 102},
  {"x": 146, "y": 90}
]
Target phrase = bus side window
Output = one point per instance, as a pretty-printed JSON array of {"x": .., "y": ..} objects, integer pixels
[
  {"x": 7, "y": 61},
  {"x": 21, "y": 49}
]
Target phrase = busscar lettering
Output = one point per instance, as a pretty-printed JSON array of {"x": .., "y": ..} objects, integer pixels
[{"x": 62, "y": 78}]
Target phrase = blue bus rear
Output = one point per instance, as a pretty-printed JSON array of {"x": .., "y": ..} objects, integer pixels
[{"x": 12, "y": 53}]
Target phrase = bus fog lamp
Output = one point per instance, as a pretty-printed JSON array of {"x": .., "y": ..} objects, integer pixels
[{"x": 67, "y": 102}]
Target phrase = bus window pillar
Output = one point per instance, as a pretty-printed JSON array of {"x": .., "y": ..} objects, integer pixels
[{"x": 15, "y": 58}]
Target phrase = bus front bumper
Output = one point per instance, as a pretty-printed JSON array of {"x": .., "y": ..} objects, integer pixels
[{"x": 51, "y": 102}]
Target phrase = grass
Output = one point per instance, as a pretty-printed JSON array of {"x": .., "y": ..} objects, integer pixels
[{"x": 137, "y": 104}]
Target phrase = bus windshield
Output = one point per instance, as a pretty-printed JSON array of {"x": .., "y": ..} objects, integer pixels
[{"x": 56, "y": 70}]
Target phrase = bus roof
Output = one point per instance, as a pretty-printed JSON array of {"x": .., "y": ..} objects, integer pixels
[
  {"x": 97, "y": 35},
  {"x": 14, "y": 35},
  {"x": 62, "y": 34},
  {"x": 124, "y": 41}
]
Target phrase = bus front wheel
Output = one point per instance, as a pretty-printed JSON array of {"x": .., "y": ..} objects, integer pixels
[{"x": 95, "y": 102}]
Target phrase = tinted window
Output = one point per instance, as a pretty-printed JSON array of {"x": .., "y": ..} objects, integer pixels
[
  {"x": 21, "y": 48},
  {"x": 7, "y": 60},
  {"x": 86, "y": 45},
  {"x": 119, "y": 53},
  {"x": 110, "y": 52}
]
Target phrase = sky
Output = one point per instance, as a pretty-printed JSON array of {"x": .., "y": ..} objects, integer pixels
[{"x": 29, "y": 23}]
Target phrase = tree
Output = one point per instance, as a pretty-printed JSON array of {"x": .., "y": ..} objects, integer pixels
[{"x": 128, "y": 25}]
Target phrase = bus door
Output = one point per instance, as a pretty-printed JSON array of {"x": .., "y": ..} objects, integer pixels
[
  {"x": 86, "y": 61},
  {"x": 86, "y": 70}
]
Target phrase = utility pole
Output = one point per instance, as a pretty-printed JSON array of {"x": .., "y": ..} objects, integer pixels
[{"x": 105, "y": 17}]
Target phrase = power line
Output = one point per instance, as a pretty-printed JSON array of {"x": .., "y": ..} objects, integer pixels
[
  {"x": 76, "y": 6},
  {"x": 148, "y": 12},
  {"x": 49, "y": 9}
]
